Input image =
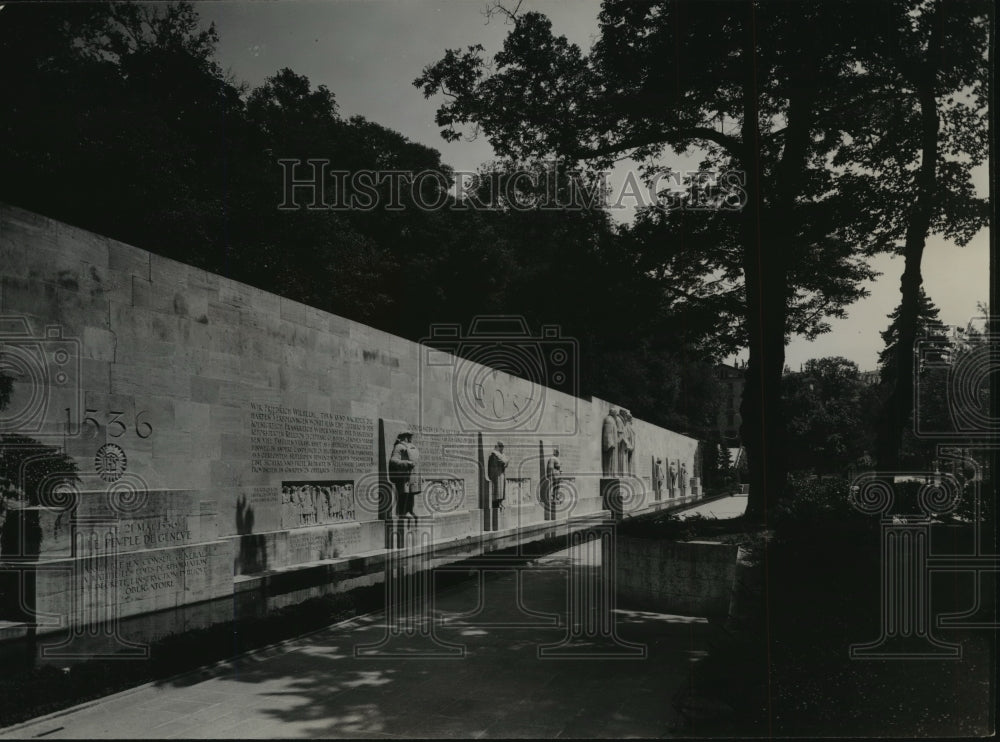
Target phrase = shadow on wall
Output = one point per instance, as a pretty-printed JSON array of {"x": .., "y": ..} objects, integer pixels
[{"x": 252, "y": 555}]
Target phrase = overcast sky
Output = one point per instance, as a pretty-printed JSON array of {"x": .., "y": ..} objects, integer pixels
[{"x": 368, "y": 52}]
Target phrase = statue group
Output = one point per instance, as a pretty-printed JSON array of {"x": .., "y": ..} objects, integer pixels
[{"x": 618, "y": 444}]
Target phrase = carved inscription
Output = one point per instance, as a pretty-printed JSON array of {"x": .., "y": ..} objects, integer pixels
[
  {"x": 316, "y": 545},
  {"x": 137, "y": 576},
  {"x": 287, "y": 440},
  {"x": 139, "y": 533},
  {"x": 447, "y": 454},
  {"x": 265, "y": 497}
]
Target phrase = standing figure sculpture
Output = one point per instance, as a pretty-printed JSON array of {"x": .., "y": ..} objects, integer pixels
[
  {"x": 621, "y": 463},
  {"x": 496, "y": 469},
  {"x": 629, "y": 445},
  {"x": 609, "y": 443},
  {"x": 403, "y": 473},
  {"x": 659, "y": 478},
  {"x": 673, "y": 478},
  {"x": 553, "y": 469},
  {"x": 683, "y": 478}
]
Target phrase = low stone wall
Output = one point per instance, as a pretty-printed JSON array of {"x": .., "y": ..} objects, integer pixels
[{"x": 690, "y": 578}]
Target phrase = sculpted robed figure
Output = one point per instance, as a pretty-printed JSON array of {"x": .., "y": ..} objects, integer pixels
[
  {"x": 621, "y": 460},
  {"x": 659, "y": 479},
  {"x": 629, "y": 444},
  {"x": 609, "y": 443},
  {"x": 496, "y": 470},
  {"x": 403, "y": 473}
]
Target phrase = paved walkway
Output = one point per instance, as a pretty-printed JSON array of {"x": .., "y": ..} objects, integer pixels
[
  {"x": 726, "y": 507},
  {"x": 317, "y": 687}
]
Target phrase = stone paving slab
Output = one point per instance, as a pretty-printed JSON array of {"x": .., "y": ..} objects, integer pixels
[
  {"x": 315, "y": 687},
  {"x": 726, "y": 507}
]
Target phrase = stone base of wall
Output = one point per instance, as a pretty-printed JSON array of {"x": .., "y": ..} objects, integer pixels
[
  {"x": 691, "y": 578},
  {"x": 101, "y": 588}
]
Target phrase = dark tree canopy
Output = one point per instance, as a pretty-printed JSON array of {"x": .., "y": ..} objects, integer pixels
[
  {"x": 779, "y": 92},
  {"x": 120, "y": 120}
]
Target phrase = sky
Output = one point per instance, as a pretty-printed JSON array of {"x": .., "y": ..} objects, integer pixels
[{"x": 368, "y": 52}]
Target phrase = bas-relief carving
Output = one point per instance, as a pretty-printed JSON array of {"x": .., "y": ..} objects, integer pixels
[
  {"x": 519, "y": 491},
  {"x": 314, "y": 503},
  {"x": 444, "y": 495}
]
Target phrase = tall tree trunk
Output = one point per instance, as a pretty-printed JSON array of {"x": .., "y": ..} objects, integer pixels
[
  {"x": 753, "y": 405},
  {"x": 769, "y": 238},
  {"x": 899, "y": 405}
]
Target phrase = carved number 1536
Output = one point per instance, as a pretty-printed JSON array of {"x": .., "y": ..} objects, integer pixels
[{"x": 116, "y": 427}]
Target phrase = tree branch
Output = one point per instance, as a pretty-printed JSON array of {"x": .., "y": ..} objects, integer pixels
[{"x": 730, "y": 143}]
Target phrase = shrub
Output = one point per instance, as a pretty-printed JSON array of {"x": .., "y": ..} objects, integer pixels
[{"x": 815, "y": 506}]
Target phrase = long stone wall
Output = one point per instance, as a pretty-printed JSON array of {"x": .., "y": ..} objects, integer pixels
[{"x": 223, "y": 432}]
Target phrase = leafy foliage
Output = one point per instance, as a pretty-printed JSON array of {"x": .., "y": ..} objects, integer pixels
[
  {"x": 121, "y": 121},
  {"x": 829, "y": 413},
  {"x": 778, "y": 92}
]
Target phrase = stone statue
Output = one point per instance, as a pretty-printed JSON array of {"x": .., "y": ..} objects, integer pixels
[
  {"x": 673, "y": 478},
  {"x": 659, "y": 477},
  {"x": 609, "y": 443},
  {"x": 553, "y": 469},
  {"x": 683, "y": 478},
  {"x": 496, "y": 469},
  {"x": 403, "y": 473},
  {"x": 629, "y": 445},
  {"x": 621, "y": 463}
]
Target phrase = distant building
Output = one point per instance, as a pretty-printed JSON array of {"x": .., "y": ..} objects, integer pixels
[
  {"x": 732, "y": 380},
  {"x": 869, "y": 377}
]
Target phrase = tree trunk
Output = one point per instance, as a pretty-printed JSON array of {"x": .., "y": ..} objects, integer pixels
[
  {"x": 753, "y": 405},
  {"x": 769, "y": 238},
  {"x": 899, "y": 404}
]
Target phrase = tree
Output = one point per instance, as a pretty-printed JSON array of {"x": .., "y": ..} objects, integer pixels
[
  {"x": 911, "y": 161},
  {"x": 754, "y": 86},
  {"x": 927, "y": 325},
  {"x": 121, "y": 121},
  {"x": 824, "y": 406}
]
